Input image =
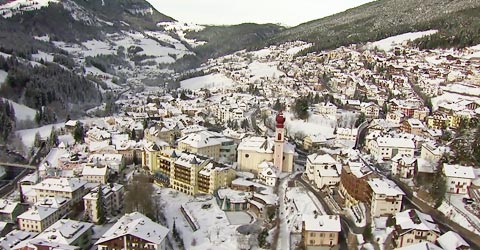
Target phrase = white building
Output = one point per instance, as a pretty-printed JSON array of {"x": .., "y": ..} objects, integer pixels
[
  {"x": 386, "y": 197},
  {"x": 95, "y": 173},
  {"x": 43, "y": 214},
  {"x": 459, "y": 178},
  {"x": 315, "y": 162},
  {"x": 134, "y": 229},
  {"x": 70, "y": 188},
  {"x": 65, "y": 232},
  {"x": 386, "y": 148},
  {"x": 403, "y": 166},
  {"x": 326, "y": 108},
  {"x": 268, "y": 174},
  {"x": 413, "y": 227},
  {"x": 347, "y": 134},
  {"x": 452, "y": 241},
  {"x": 112, "y": 201}
]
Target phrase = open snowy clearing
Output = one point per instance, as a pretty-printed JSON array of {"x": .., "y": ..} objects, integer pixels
[
  {"x": 217, "y": 81},
  {"x": 17, "y": 6},
  {"x": 22, "y": 112},
  {"x": 389, "y": 43},
  {"x": 258, "y": 70}
]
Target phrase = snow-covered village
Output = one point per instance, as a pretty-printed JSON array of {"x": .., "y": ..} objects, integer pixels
[{"x": 373, "y": 145}]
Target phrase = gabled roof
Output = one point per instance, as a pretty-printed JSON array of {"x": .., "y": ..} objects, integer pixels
[{"x": 137, "y": 225}]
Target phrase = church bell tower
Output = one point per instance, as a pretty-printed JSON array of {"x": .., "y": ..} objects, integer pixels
[{"x": 279, "y": 141}]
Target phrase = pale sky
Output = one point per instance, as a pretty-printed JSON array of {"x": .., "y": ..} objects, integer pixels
[{"x": 285, "y": 12}]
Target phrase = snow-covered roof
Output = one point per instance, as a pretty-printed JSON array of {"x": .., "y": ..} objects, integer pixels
[
  {"x": 426, "y": 245},
  {"x": 395, "y": 142},
  {"x": 7, "y": 206},
  {"x": 65, "y": 231},
  {"x": 37, "y": 213},
  {"x": 60, "y": 184},
  {"x": 89, "y": 170},
  {"x": 203, "y": 139},
  {"x": 385, "y": 186},
  {"x": 452, "y": 241},
  {"x": 328, "y": 171},
  {"x": 263, "y": 145},
  {"x": 321, "y": 159},
  {"x": 137, "y": 225},
  {"x": 235, "y": 196},
  {"x": 42, "y": 244},
  {"x": 14, "y": 237},
  {"x": 458, "y": 171},
  {"x": 322, "y": 223},
  {"x": 413, "y": 219}
]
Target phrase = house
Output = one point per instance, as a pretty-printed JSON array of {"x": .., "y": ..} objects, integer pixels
[
  {"x": 386, "y": 197},
  {"x": 314, "y": 142},
  {"x": 268, "y": 174},
  {"x": 9, "y": 210},
  {"x": 64, "y": 232},
  {"x": 458, "y": 178},
  {"x": 386, "y": 148},
  {"x": 452, "y": 241},
  {"x": 432, "y": 153},
  {"x": 413, "y": 227},
  {"x": 95, "y": 173},
  {"x": 404, "y": 167},
  {"x": 371, "y": 110},
  {"x": 413, "y": 126},
  {"x": 425, "y": 245},
  {"x": 70, "y": 188},
  {"x": 353, "y": 183},
  {"x": 134, "y": 229},
  {"x": 321, "y": 231},
  {"x": 13, "y": 238},
  {"x": 112, "y": 200},
  {"x": 210, "y": 144},
  {"x": 326, "y": 108},
  {"x": 315, "y": 162},
  {"x": 347, "y": 134},
  {"x": 43, "y": 214}
]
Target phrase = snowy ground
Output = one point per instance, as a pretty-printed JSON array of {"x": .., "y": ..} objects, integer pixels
[
  {"x": 181, "y": 28},
  {"x": 40, "y": 55},
  {"x": 316, "y": 124},
  {"x": 239, "y": 218},
  {"x": 215, "y": 230},
  {"x": 381, "y": 231},
  {"x": 213, "y": 81},
  {"x": 17, "y": 6},
  {"x": 390, "y": 42},
  {"x": 260, "y": 70},
  {"x": 451, "y": 213},
  {"x": 22, "y": 112}
]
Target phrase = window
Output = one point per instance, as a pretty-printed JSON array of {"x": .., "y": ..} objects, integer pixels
[
  {"x": 247, "y": 155},
  {"x": 312, "y": 234},
  {"x": 312, "y": 242}
]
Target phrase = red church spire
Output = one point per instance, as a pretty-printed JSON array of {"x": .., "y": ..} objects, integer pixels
[{"x": 280, "y": 119}]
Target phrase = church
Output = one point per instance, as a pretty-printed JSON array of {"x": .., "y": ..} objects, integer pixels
[{"x": 254, "y": 151}]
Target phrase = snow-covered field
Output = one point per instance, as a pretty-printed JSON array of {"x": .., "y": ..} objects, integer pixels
[
  {"x": 17, "y": 6},
  {"x": 181, "y": 28},
  {"x": 28, "y": 135},
  {"x": 150, "y": 46},
  {"x": 22, "y": 112},
  {"x": 260, "y": 70},
  {"x": 42, "y": 56},
  {"x": 390, "y": 42},
  {"x": 217, "y": 81}
]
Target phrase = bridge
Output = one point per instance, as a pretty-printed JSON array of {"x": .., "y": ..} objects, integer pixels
[{"x": 6, "y": 164}]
